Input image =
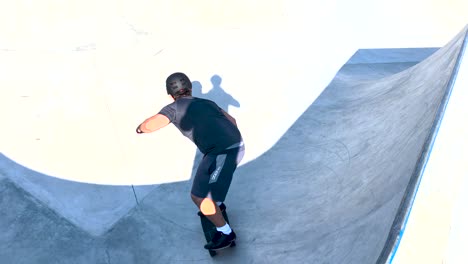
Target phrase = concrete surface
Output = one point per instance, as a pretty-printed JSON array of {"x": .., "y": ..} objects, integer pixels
[
  {"x": 79, "y": 75},
  {"x": 329, "y": 191},
  {"x": 436, "y": 227},
  {"x": 92, "y": 207}
]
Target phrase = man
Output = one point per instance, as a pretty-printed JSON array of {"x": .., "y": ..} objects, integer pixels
[{"x": 216, "y": 135}]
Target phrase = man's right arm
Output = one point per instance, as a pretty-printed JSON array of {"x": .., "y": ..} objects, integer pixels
[{"x": 153, "y": 123}]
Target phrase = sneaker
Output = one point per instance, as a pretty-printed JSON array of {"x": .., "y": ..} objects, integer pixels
[{"x": 220, "y": 240}]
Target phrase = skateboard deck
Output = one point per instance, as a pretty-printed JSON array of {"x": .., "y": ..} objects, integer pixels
[{"x": 210, "y": 230}]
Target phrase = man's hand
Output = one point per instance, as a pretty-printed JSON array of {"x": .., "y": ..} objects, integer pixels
[{"x": 138, "y": 130}]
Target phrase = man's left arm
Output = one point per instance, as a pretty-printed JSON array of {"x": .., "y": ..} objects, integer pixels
[
  {"x": 153, "y": 123},
  {"x": 232, "y": 119}
]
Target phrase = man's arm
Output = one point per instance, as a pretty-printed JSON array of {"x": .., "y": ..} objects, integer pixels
[
  {"x": 232, "y": 119},
  {"x": 153, "y": 123}
]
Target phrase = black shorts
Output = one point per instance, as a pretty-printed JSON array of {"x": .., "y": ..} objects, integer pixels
[{"x": 214, "y": 174}]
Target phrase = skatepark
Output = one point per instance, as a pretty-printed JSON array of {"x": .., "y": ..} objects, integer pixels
[{"x": 353, "y": 132}]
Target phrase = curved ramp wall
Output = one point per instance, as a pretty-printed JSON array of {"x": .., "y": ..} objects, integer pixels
[
  {"x": 331, "y": 190},
  {"x": 433, "y": 228}
]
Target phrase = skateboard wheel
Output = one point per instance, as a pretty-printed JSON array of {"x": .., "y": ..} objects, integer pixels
[{"x": 212, "y": 253}]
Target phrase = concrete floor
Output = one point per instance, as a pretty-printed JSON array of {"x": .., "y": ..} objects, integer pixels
[{"x": 329, "y": 191}]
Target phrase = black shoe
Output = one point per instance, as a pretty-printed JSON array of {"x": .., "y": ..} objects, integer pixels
[{"x": 220, "y": 241}]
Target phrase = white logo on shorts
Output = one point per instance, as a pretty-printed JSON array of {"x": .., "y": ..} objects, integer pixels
[{"x": 215, "y": 174}]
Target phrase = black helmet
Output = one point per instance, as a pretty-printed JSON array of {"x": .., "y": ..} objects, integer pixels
[{"x": 176, "y": 82}]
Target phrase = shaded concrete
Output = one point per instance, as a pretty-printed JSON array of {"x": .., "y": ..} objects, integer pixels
[
  {"x": 93, "y": 208},
  {"x": 33, "y": 233},
  {"x": 329, "y": 191}
]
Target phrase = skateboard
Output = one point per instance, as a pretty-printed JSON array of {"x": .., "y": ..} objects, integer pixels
[{"x": 209, "y": 230}]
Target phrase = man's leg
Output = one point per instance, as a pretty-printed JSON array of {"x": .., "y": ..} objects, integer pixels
[
  {"x": 210, "y": 209},
  {"x": 201, "y": 195},
  {"x": 225, "y": 235},
  {"x": 220, "y": 170}
]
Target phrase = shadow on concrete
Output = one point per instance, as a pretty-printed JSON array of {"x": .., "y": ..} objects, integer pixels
[
  {"x": 216, "y": 93},
  {"x": 328, "y": 191}
]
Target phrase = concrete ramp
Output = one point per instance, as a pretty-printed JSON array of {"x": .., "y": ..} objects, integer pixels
[{"x": 333, "y": 189}]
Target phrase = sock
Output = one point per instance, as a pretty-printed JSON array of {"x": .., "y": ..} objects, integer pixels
[{"x": 226, "y": 229}]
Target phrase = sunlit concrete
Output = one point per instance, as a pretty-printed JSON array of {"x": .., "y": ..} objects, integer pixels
[{"x": 80, "y": 76}]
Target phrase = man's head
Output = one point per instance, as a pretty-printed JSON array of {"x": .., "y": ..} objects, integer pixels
[{"x": 178, "y": 85}]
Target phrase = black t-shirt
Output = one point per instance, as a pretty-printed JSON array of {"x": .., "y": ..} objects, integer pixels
[{"x": 203, "y": 122}]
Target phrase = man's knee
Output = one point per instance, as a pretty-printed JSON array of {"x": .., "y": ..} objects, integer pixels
[{"x": 206, "y": 205}]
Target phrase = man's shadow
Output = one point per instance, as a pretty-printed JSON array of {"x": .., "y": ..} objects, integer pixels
[{"x": 217, "y": 95}]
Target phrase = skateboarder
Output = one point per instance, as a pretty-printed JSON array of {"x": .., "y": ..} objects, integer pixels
[{"x": 216, "y": 135}]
